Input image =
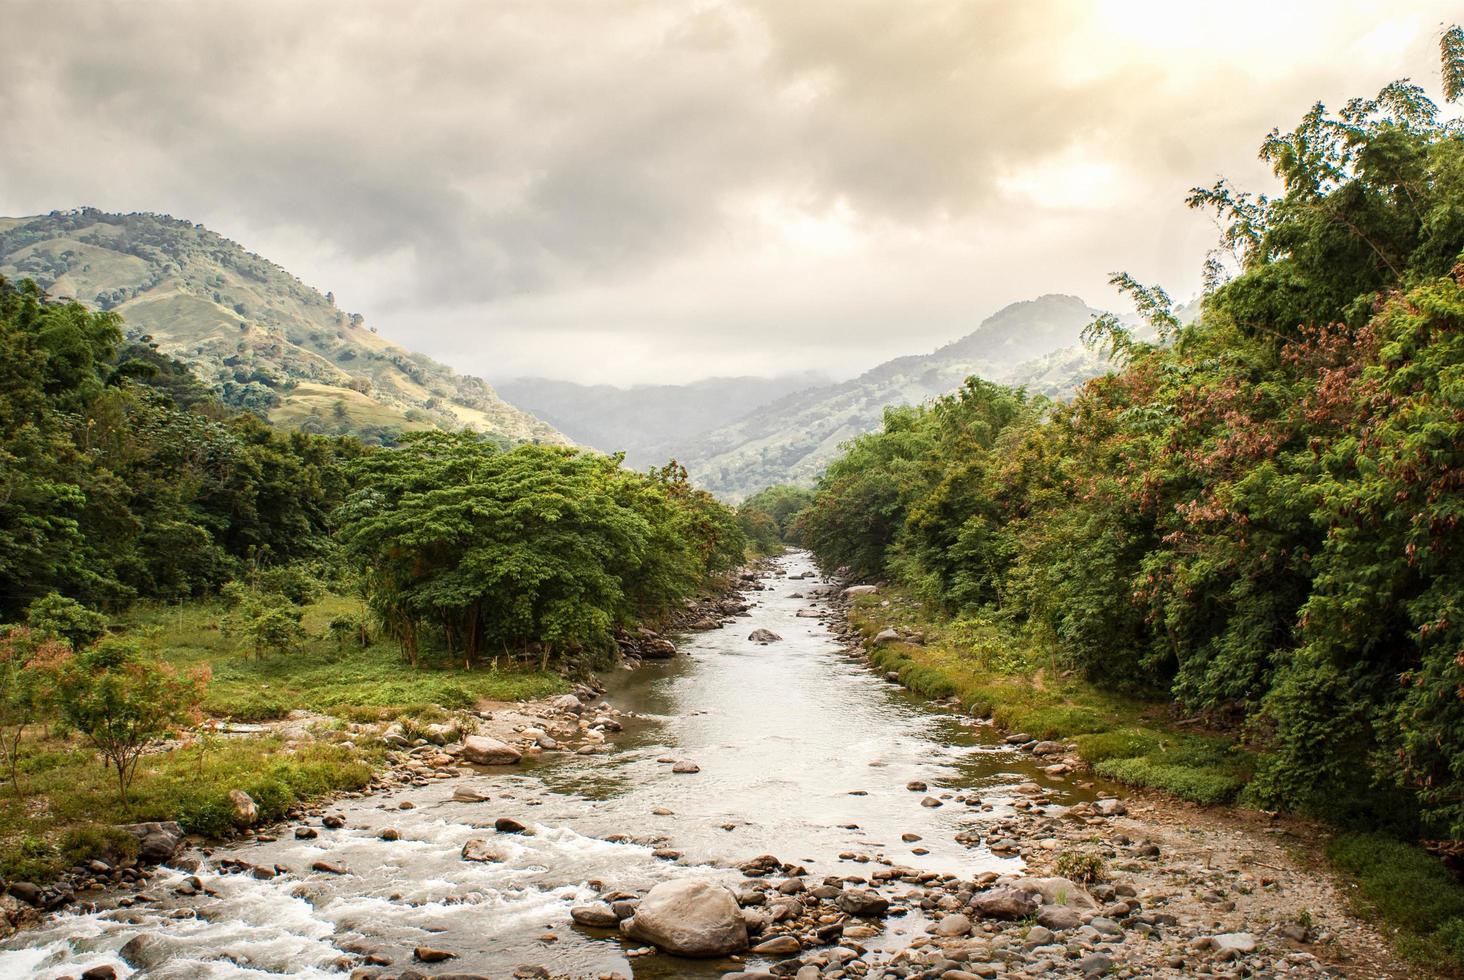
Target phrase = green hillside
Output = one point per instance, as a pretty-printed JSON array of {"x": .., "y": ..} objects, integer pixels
[{"x": 266, "y": 341}]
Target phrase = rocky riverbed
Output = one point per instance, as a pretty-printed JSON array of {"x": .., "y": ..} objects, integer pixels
[{"x": 760, "y": 803}]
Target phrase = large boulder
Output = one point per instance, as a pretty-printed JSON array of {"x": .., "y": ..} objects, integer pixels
[
  {"x": 1005, "y": 902},
  {"x": 156, "y": 841},
  {"x": 763, "y": 636},
  {"x": 863, "y": 903},
  {"x": 857, "y": 590},
  {"x": 1058, "y": 891},
  {"x": 246, "y": 811},
  {"x": 484, "y": 751},
  {"x": 567, "y": 703},
  {"x": 689, "y": 917}
]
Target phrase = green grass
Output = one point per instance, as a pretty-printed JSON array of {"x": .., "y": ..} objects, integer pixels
[
  {"x": 1411, "y": 891},
  {"x": 357, "y": 683},
  {"x": 71, "y": 800},
  {"x": 1194, "y": 783},
  {"x": 993, "y": 673}
]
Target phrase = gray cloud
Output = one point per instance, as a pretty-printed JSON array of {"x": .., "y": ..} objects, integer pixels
[{"x": 646, "y": 191}]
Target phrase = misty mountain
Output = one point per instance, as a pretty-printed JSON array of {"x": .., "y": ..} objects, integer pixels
[
  {"x": 649, "y": 423},
  {"x": 266, "y": 341},
  {"x": 1035, "y": 343}
]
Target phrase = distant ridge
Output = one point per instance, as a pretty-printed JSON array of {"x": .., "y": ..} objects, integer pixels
[
  {"x": 1035, "y": 343},
  {"x": 649, "y": 423}
]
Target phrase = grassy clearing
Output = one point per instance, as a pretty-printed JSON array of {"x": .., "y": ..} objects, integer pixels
[
  {"x": 974, "y": 660},
  {"x": 1408, "y": 890},
  {"x": 320, "y": 676},
  {"x": 70, "y": 800}
]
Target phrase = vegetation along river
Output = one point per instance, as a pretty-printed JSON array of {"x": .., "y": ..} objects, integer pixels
[{"x": 803, "y": 752}]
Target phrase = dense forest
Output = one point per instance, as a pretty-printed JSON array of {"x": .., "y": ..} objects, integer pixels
[
  {"x": 124, "y": 478},
  {"x": 1259, "y": 514}
]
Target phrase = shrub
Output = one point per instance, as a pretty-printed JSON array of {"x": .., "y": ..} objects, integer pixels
[
  {"x": 1081, "y": 865},
  {"x": 123, "y": 702},
  {"x": 66, "y": 619}
]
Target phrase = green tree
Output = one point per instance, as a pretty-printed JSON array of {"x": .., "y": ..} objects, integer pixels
[
  {"x": 123, "y": 702},
  {"x": 25, "y": 661},
  {"x": 65, "y": 619}
]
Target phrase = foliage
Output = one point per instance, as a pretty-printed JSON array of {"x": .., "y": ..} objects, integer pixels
[
  {"x": 120, "y": 478},
  {"x": 1198, "y": 785},
  {"x": 492, "y": 550},
  {"x": 768, "y": 517},
  {"x": 123, "y": 702},
  {"x": 1259, "y": 514},
  {"x": 25, "y": 658},
  {"x": 65, "y": 619},
  {"x": 265, "y": 620},
  {"x": 1082, "y": 865},
  {"x": 1410, "y": 889}
]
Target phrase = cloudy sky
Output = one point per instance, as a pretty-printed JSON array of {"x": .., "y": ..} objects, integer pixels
[{"x": 625, "y": 191}]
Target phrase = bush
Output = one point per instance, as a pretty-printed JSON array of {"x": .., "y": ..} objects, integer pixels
[
  {"x": 1083, "y": 866},
  {"x": 123, "y": 702},
  {"x": 66, "y": 619}
]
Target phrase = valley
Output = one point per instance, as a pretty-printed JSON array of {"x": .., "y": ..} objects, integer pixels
[{"x": 799, "y": 751}]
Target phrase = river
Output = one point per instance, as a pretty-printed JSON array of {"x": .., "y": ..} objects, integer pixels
[{"x": 804, "y": 753}]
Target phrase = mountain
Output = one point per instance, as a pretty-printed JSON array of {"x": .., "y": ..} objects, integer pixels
[
  {"x": 649, "y": 423},
  {"x": 1035, "y": 343},
  {"x": 261, "y": 337}
]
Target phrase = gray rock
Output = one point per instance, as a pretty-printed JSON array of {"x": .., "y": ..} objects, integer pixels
[
  {"x": 1005, "y": 902},
  {"x": 886, "y": 636},
  {"x": 142, "y": 952},
  {"x": 1058, "y": 917},
  {"x": 1059, "y": 891},
  {"x": 596, "y": 915},
  {"x": 953, "y": 925},
  {"x": 763, "y": 636},
  {"x": 484, "y": 751},
  {"x": 1240, "y": 942},
  {"x": 1095, "y": 965},
  {"x": 689, "y": 917},
  {"x": 858, "y": 590},
  {"x": 567, "y": 703},
  {"x": 478, "y": 849},
  {"x": 246, "y": 811},
  {"x": 157, "y": 842},
  {"x": 1038, "y": 936},
  {"x": 778, "y": 946},
  {"x": 862, "y": 902}
]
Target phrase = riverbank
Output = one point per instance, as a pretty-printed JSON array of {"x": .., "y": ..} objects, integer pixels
[
  {"x": 842, "y": 827},
  {"x": 285, "y": 736},
  {"x": 1182, "y": 785}
]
